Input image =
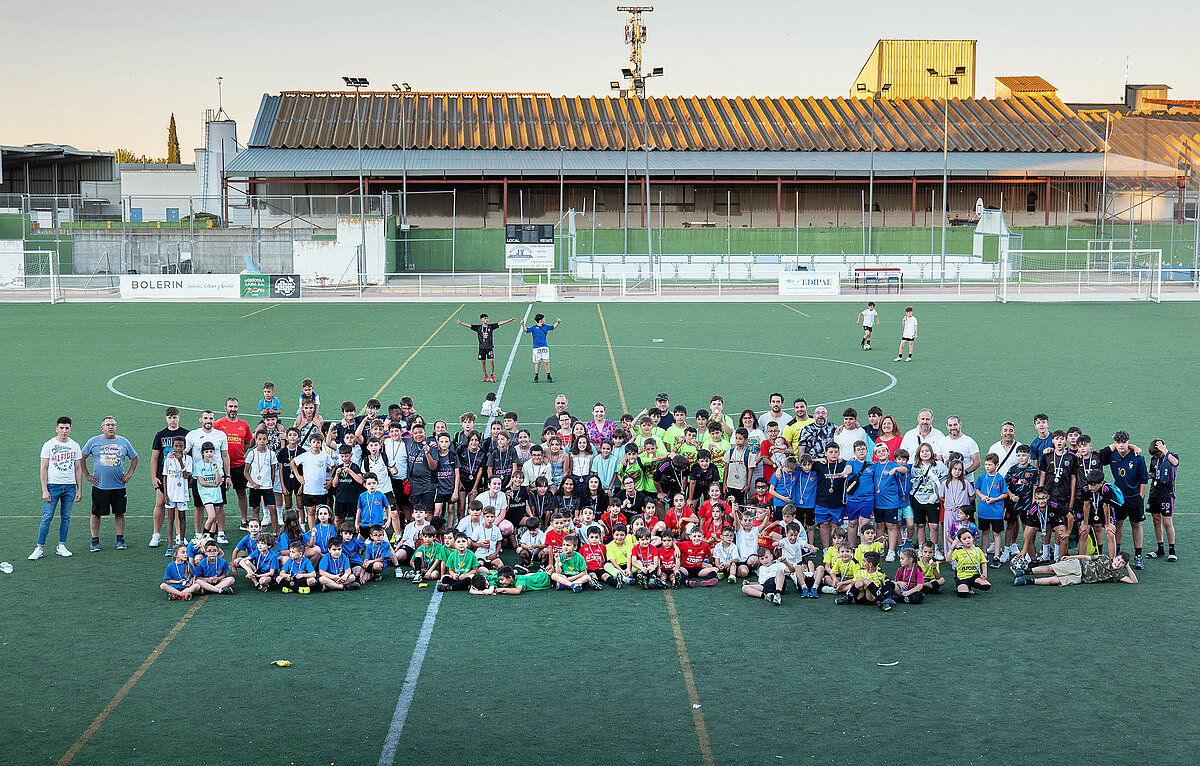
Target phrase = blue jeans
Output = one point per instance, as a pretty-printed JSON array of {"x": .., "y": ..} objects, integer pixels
[{"x": 59, "y": 493}]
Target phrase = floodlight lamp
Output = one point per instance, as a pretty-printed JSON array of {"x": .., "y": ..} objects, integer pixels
[
  {"x": 960, "y": 70},
  {"x": 657, "y": 71},
  {"x": 614, "y": 85},
  {"x": 932, "y": 72},
  {"x": 627, "y": 72},
  {"x": 862, "y": 86},
  {"x": 885, "y": 87},
  {"x": 954, "y": 81}
]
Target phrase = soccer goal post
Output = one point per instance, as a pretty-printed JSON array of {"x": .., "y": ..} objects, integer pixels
[
  {"x": 1095, "y": 274},
  {"x": 30, "y": 275}
]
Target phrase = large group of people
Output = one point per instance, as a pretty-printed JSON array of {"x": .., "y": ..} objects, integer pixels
[{"x": 663, "y": 498}]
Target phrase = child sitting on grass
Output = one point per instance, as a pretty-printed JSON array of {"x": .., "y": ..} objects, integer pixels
[
  {"x": 838, "y": 537},
  {"x": 377, "y": 554},
  {"x": 616, "y": 555},
  {"x": 213, "y": 574},
  {"x": 844, "y": 570},
  {"x": 643, "y": 560},
  {"x": 593, "y": 553},
  {"x": 725, "y": 556},
  {"x": 296, "y": 575},
  {"x": 263, "y": 566},
  {"x": 694, "y": 555},
  {"x": 429, "y": 559},
  {"x": 792, "y": 549},
  {"x": 772, "y": 578},
  {"x": 335, "y": 572},
  {"x": 970, "y": 566},
  {"x": 461, "y": 563},
  {"x": 179, "y": 581},
  {"x": 531, "y": 545},
  {"x": 930, "y": 569},
  {"x": 909, "y": 582},
  {"x": 871, "y": 586},
  {"x": 570, "y": 568}
]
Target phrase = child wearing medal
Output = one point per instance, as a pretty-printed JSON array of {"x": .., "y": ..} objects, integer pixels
[{"x": 177, "y": 470}]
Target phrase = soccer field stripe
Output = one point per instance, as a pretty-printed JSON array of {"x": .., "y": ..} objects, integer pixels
[
  {"x": 133, "y": 679},
  {"x": 413, "y": 354},
  {"x": 798, "y": 311},
  {"x": 268, "y": 308},
  {"x": 409, "y": 690},
  {"x": 507, "y": 367},
  {"x": 689, "y": 680},
  {"x": 613, "y": 359}
]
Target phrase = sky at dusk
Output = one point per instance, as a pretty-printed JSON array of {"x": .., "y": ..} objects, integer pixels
[{"x": 108, "y": 75}]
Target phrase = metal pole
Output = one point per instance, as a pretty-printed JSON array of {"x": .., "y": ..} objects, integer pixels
[
  {"x": 362, "y": 196},
  {"x": 649, "y": 215},
  {"x": 871, "y": 182},
  {"x": 1196, "y": 240},
  {"x": 625, "y": 217},
  {"x": 561, "y": 166},
  {"x": 453, "y": 224},
  {"x": 945, "y": 179},
  {"x": 404, "y": 164}
]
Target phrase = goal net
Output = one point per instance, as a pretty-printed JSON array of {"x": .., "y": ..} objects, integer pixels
[
  {"x": 30, "y": 275},
  {"x": 1099, "y": 273}
]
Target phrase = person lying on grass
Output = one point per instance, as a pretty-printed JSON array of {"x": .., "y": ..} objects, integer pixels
[
  {"x": 509, "y": 583},
  {"x": 1076, "y": 570}
]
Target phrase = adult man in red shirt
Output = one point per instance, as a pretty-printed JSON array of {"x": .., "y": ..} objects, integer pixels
[{"x": 238, "y": 435}]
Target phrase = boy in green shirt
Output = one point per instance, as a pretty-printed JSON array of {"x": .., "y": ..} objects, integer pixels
[
  {"x": 675, "y": 434},
  {"x": 647, "y": 432},
  {"x": 717, "y": 446},
  {"x": 507, "y": 582},
  {"x": 429, "y": 559},
  {"x": 461, "y": 564},
  {"x": 570, "y": 568}
]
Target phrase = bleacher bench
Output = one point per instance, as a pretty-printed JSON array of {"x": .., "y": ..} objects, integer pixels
[{"x": 867, "y": 277}]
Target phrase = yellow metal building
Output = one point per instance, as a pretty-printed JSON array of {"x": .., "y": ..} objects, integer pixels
[{"x": 904, "y": 65}]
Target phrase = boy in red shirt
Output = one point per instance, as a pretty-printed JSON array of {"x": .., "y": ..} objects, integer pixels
[
  {"x": 610, "y": 519},
  {"x": 593, "y": 554},
  {"x": 556, "y": 533},
  {"x": 680, "y": 515},
  {"x": 692, "y": 557},
  {"x": 668, "y": 561},
  {"x": 644, "y": 562}
]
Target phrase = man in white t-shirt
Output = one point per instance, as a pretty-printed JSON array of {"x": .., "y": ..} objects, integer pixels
[
  {"x": 775, "y": 412},
  {"x": 909, "y": 334},
  {"x": 1006, "y": 448},
  {"x": 850, "y": 432},
  {"x": 62, "y": 485},
  {"x": 956, "y": 441},
  {"x": 924, "y": 433}
]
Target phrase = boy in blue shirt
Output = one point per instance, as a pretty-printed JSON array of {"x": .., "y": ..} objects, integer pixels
[
  {"x": 541, "y": 349},
  {"x": 335, "y": 571},
  {"x": 991, "y": 489},
  {"x": 860, "y": 500},
  {"x": 804, "y": 494},
  {"x": 377, "y": 554},
  {"x": 268, "y": 404},
  {"x": 213, "y": 574},
  {"x": 782, "y": 484},
  {"x": 248, "y": 545},
  {"x": 373, "y": 508},
  {"x": 1130, "y": 476},
  {"x": 296, "y": 575},
  {"x": 889, "y": 496},
  {"x": 262, "y": 567},
  {"x": 352, "y": 546}
]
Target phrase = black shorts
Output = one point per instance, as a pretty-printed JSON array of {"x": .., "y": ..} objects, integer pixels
[
  {"x": 1133, "y": 509},
  {"x": 407, "y": 550},
  {"x": 237, "y": 476},
  {"x": 692, "y": 572},
  {"x": 807, "y": 516},
  {"x": 291, "y": 485},
  {"x": 345, "y": 510},
  {"x": 423, "y": 500},
  {"x": 1010, "y": 511},
  {"x": 739, "y": 495},
  {"x": 867, "y": 328},
  {"x": 970, "y": 582},
  {"x": 769, "y": 586},
  {"x": 1162, "y": 506},
  {"x": 991, "y": 525},
  {"x": 310, "y": 501},
  {"x": 1058, "y": 520},
  {"x": 106, "y": 501},
  {"x": 906, "y": 338},
  {"x": 486, "y": 353},
  {"x": 399, "y": 493},
  {"x": 444, "y": 498},
  {"x": 1030, "y": 518},
  {"x": 261, "y": 497},
  {"x": 926, "y": 513}
]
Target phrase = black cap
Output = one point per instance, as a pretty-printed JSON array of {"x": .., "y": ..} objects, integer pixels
[{"x": 662, "y": 397}]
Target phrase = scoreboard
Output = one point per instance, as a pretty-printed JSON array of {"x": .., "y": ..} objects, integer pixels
[{"x": 529, "y": 246}]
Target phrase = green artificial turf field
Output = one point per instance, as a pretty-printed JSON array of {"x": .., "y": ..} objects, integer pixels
[{"x": 1015, "y": 676}]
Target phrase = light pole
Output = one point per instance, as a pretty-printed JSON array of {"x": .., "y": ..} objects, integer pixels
[
  {"x": 884, "y": 88},
  {"x": 358, "y": 83},
  {"x": 950, "y": 79},
  {"x": 638, "y": 83},
  {"x": 404, "y": 89}
]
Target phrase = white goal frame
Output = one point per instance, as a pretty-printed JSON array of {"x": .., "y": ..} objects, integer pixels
[
  {"x": 31, "y": 275},
  {"x": 1094, "y": 274}
]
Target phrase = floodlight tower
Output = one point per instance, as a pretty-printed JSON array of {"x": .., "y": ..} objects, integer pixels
[{"x": 635, "y": 36}]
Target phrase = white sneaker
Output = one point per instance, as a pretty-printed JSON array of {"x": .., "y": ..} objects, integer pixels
[
  {"x": 891, "y": 556},
  {"x": 938, "y": 555},
  {"x": 828, "y": 589},
  {"x": 178, "y": 540},
  {"x": 399, "y": 573},
  {"x": 61, "y": 550},
  {"x": 155, "y": 539},
  {"x": 1005, "y": 555},
  {"x": 37, "y": 553},
  {"x": 222, "y": 539}
]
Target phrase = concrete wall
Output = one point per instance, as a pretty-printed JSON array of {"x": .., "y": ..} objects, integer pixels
[{"x": 154, "y": 190}]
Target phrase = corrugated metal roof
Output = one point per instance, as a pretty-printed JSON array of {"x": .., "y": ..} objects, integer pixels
[
  {"x": 261, "y": 162},
  {"x": 1026, "y": 84},
  {"x": 698, "y": 123},
  {"x": 1171, "y": 140}
]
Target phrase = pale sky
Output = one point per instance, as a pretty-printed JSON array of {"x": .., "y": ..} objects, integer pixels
[{"x": 107, "y": 75}]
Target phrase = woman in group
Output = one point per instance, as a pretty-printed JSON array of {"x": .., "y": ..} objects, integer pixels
[
  {"x": 309, "y": 422},
  {"x": 889, "y": 435},
  {"x": 754, "y": 439},
  {"x": 599, "y": 428},
  {"x": 495, "y": 497},
  {"x": 559, "y": 460},
  {"x": 569, "y": 496},
  {"x": 594, "y": 496}
]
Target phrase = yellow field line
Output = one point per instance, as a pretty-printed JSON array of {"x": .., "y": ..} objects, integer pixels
[
  {"x": 693, "y": 696},
  {"x": 268, "y": 308},
  {"x": 613, "y": 359},
  {"x": 423, "y": 345},
  {"x": 133, "y": 679},
  {"x": 798, "y": 311}
]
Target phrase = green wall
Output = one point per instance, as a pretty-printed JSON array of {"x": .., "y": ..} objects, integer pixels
[{"x": 483, "y": 249}]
